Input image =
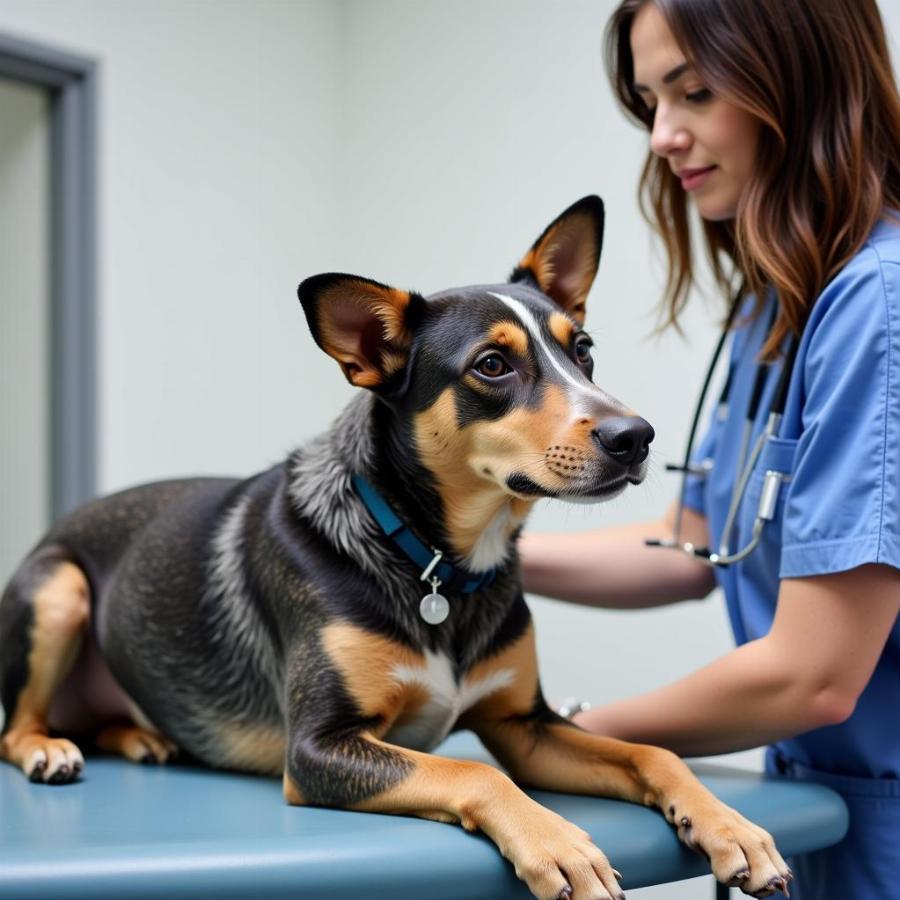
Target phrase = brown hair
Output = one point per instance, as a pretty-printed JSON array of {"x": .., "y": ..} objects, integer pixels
[{"x": 817, "y": 76}]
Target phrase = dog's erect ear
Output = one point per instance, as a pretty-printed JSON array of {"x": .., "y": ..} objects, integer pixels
[
  {"x": 364, "y": 325},
  {"x": 563, "y": 261}
]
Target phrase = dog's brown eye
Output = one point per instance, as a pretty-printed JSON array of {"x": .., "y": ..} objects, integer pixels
[
  {"x": 492, "y": 366},
  {"x": 583, "y": 350}
]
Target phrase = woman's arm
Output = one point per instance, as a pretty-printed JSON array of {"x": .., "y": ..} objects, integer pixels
[
  {"x": 612, "y": 567},
  {"x": 826, "y": 639}
]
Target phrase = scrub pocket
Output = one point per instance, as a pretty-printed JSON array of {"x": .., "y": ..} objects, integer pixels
[
  {"x": 762, "y": 566},
  {"x": 777, "y": 456},
  {"x": 865, "y": 865}
]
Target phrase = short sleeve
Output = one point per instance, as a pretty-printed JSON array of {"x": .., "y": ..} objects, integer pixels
[{"x": 843, "y": 499}]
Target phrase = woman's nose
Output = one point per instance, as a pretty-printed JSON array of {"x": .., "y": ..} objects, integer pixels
[{"x": 668, "y": 135}]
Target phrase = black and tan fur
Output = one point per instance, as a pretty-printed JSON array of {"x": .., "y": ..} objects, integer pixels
[{"x": 267, "y": 625}]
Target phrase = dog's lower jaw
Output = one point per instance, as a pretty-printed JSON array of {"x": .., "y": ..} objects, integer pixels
[{"x": 608, "y": 493}]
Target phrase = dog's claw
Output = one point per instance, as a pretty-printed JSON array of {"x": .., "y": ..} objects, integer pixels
[
  {"x": 778, "y": 884},
  {"x": 37, "y": 773},
  {"x": 618, "y": 874},
  {"x": 565, "y": 893},
  {"x": 60, "y": 776},
  {"x": 739, "y": 878}
]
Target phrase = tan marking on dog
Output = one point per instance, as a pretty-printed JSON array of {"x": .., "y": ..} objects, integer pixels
[
  {"x": 518, "y": 697},
  {"x": 387, "y": 303},
  {"x": 136, "y": 743},
  {"x": 561, "y": 757},
  {"x": 291, "y": 792},
  {"x": 575, "y": 230},
  {"x": 562, "y": 328},
  {"x": 539, "y": 843},
  {"x": 567, "y": 758},
  {"x": 62, "y": 610},
  {"x": 471, "y": 464},
  {"x": 367, "y": 662},
  {"x": 359, "y": 301},
  {"x": 506, "y": 334},
  {"x": 392, "y": 362},
  {"x": 61, "y": 613},
  {"x": 253, "y": 748},
  {"x": 437, "y": 788}
]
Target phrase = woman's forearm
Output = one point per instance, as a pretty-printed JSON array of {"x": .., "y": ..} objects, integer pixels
[
  {"x": 613, "y": 567},
  {"x": 745, "y": 699},
  {"x": 826, "y": 639}
]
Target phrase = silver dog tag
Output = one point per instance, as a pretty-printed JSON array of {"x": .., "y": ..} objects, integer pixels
[{"x": 434, "y": 607}]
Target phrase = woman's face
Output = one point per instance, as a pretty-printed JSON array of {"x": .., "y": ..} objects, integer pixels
[{"x": 709, "y": 143}]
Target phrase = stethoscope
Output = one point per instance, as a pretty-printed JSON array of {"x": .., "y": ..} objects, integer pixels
[{"x": 747, "y": 455}]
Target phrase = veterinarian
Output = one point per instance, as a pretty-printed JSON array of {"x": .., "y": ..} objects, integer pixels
[{"x": 778, "y": 121}]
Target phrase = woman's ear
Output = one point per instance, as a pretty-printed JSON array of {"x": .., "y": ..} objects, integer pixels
[
  {"x": 562, "y": 262},
  {"x": 361, "y": 323}
]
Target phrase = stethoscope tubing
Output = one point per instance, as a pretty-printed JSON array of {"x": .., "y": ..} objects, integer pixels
[{"x": 746, "y": 462}]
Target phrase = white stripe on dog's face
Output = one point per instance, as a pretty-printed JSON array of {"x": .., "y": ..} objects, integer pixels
[{"x": 581, "y": 389}]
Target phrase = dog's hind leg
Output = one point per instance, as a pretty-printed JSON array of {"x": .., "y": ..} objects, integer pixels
[
  {"x": 43, "y": 617},
  {"x": 137, "y": 744}
]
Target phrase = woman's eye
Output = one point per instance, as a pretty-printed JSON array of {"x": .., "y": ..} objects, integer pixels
[
  {"x": 700, "y": 96},
  {"x": 583, "y": 351},
  {"x": 492, "y": 366}
]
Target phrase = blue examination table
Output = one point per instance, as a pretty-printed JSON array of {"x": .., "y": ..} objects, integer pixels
[{"x": 129, "y": 831}]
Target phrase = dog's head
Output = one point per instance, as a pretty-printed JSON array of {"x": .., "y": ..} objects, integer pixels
[{"x": 493, "y": 382}]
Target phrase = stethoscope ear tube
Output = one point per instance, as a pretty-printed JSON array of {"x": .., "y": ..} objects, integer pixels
[
  {"x": 772, "y": 481},
  {"x": 687, "y": 467}
]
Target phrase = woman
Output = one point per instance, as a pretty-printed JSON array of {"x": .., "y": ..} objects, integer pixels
[{"x": 778, "y": 121}]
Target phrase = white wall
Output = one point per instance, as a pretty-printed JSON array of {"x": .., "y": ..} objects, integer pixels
[
  {"x": 249, "y": 143},
  {"x": 24, "y": 315},
  {"x": 217, "y": 181}
]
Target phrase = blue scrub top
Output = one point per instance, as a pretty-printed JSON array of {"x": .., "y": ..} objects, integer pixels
[{"x": 840, "y": 444}]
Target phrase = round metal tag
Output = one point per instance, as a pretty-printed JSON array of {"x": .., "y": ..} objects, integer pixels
[{"x": 434, "y": 608}]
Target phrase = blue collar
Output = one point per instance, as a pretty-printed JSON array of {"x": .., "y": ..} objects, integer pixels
[{"x": 455, "y": 578}]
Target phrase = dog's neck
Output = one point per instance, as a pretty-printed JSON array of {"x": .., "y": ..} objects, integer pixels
[
  {"x": 477, "y": 530},
  {"x": 458, "y": 512}
]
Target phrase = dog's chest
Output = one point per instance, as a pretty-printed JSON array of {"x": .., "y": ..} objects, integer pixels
[{"x": 446, "y": 699}]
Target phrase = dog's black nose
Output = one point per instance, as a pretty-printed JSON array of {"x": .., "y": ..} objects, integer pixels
[{"x": 626, "y": 438}]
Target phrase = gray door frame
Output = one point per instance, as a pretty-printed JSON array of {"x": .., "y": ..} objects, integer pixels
[{"x": 71, "y": 84}]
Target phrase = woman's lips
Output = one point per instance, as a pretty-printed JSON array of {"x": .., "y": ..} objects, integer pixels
[{"x": 691, "y": 179}]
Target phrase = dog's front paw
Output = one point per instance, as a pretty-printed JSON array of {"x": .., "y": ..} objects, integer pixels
[
  {"x": 556, "y": 859},
  {"x": 43, "y": 759},
  {"x": 741, "y": 854}
]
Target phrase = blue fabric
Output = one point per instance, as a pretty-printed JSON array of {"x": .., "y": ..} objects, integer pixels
[
  {"x": 865, "y": 863},
  {"x": 839, "y": 444}
]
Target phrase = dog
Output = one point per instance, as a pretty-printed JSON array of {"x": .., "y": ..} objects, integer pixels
[{"x": 329, "y": 621}]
